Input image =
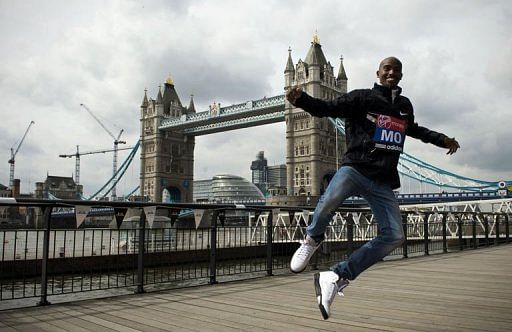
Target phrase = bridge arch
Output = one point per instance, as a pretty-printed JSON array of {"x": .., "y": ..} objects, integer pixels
[{"x": 171, "y": 194}]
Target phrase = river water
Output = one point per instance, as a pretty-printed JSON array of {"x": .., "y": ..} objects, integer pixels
[{"x": 28, "y": 244}]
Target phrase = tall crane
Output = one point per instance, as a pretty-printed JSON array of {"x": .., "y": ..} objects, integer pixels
[
  {"x": 13, "y": 155},
  {"x": 78, "y": 154},
  {"x": 116, "y": 142}
]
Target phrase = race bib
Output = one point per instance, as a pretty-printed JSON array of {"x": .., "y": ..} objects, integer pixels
[{"x": 389, "y": 133}]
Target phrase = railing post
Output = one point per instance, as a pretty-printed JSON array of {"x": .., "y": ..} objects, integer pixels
[
  {"x": 425, "y": 233},
  {"x": 313, "y": 263},
  {"x": 404, "y": 226},
  {"x": 497, "y": 228},
  {"x": 486, "y": 229},
  {"x": 459, "y": 225},
  {"x": 314, "y": 260},
  {"x": 507, "y": 229},
  {"x": 474, "y": 230},
  {"x": 213, "y": 248},
  {"x": 445, "y": 244},
  {"x": 47, "y": 214},
  {"x": 142, "y": 250},
  {"x": 350, "y": 234},
  {"x": 269, "y": 243}
]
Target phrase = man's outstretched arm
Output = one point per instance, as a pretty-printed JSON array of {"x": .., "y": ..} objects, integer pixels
[
  {"x": 429, "y": 136},
  {"x": 341, "y": 107}
]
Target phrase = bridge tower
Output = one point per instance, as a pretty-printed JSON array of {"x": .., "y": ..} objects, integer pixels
[
  {"x": 312, "y": 148},
  {"x": 166, "y": 158}
]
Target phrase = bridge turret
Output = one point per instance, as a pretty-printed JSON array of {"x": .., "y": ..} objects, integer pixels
[
  {"x": 191, "y": 108},
  {"x": 159, "y": 104},
  {"x": 314, "y": 67},
  {"x": 145, "y": 102},
  {"x": 144, "y": 105},
  {"x": 315, "y": 64},
  {"x": 159, "y": 99},
  {"x": 341, "y": 80},
  {"x": 289, "y": 71},
  {"x": 171, "y": 101}
]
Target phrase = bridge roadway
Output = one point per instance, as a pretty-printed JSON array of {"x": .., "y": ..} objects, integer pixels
[
  {"x": 461, "y": 291},
  {"x": 244, "y": 115}
]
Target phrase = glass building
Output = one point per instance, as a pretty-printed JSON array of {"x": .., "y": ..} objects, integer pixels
[{"x": 227, "y": 189}]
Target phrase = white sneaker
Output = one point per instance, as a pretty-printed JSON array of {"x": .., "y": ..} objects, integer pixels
[
  {"x": 302, "y": 256},
  {"x": 327, "y": 284}
]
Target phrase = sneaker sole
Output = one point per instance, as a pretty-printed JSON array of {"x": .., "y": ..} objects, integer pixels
[
  {"x": 298, "y": 271},
  {"x": 318, "y": 291}
]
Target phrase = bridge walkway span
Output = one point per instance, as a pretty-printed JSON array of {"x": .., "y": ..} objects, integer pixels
[{"x": 460, "y": 291}]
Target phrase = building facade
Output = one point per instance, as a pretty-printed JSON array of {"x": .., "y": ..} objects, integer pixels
[
  {"x": 259, "y": 172},
  {"x": 271, "y": 180},
  {"x": 203, "y": 191},
  {"x": 58, "y": 187},
  {"x": 312, "y": 144},
  {"x": 227, "y": 189},
  {"x": 4, "y": 212},
  {"x": 277, "y": 180},
  {"x": 4, "y": 191}
]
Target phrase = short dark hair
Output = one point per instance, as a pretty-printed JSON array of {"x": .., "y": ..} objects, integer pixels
[{"x": 395, "y": 59}]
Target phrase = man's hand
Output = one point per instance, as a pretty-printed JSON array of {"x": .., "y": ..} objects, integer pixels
[
  {"x": 293, "y": 94},
  {"x": 451, "y": 144}
]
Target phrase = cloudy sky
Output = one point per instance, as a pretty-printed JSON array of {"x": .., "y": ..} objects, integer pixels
[{"x": 58, "y": 54}]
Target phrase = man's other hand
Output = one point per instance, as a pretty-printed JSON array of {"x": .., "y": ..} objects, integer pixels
[
  {"x": 293, "y": 94},
  {"x": 451, "y": 144}
]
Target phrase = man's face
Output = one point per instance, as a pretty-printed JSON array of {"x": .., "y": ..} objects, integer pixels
[{"x": 390, "y": 72}]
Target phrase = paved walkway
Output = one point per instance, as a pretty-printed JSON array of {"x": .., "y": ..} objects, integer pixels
[{"x": 465, "y": 291}]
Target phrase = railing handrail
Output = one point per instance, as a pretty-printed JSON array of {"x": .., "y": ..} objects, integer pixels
[
  {"x": 208, "y": 206},
  {"x": 204, "y": 206}
]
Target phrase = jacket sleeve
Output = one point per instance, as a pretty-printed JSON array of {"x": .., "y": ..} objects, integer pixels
[
  {"x": 426, "y": 135},
  {"x": 341, "y": 107}
]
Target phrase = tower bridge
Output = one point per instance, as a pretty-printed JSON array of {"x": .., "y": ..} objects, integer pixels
[{"x": 168, "y": 131}]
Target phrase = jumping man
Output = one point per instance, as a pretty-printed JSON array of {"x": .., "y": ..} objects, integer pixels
[{"x": 376, "y": 123}]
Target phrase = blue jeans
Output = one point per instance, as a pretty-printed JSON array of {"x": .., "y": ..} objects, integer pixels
[{"x": 346, "y": 183}]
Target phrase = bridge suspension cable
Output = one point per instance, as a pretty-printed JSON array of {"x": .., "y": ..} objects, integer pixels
[{"x": 119, "y": 173}]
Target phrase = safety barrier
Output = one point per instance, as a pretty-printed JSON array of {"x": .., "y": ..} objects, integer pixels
[{"x": 217, "y": 243}]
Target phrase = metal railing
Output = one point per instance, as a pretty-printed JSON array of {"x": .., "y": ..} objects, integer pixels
[{"x": 232, "y": 242}]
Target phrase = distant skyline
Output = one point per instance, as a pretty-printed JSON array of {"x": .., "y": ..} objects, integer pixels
[{"x": 59, "y": 54}]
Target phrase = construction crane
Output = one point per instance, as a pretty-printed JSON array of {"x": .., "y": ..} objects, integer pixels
[
  {"x": 116, "y": 142},
  {"x": 78, "y": 154},
  {"x": 13, "y": 155}
]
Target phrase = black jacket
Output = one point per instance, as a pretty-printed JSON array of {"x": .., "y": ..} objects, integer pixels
[{"x": 374, "y": 142}]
